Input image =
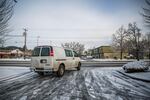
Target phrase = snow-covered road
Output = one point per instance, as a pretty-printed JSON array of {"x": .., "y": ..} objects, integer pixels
[{"x": 90, "y": 83}]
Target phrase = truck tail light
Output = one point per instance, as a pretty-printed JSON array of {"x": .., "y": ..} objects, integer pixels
[{"x": 51, "y": 53}]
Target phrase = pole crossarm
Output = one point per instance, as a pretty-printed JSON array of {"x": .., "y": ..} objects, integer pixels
[{"x": 14, "y": 35}]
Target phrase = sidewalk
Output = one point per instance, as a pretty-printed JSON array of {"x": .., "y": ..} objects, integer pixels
[{"x": 143, "y": 76}]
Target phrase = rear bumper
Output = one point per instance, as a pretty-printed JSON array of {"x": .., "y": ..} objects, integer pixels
[{"x": 41, "y": 69}]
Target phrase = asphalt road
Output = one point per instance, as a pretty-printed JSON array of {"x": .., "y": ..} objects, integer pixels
[
  {"x": 87, "y": 63},
  {"x": 90, "y": 83}
]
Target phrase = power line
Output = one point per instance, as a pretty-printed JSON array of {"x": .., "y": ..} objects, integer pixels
[{"x": 38, "y": 40}]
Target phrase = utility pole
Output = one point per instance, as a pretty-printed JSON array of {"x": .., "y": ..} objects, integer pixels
[
  {"x": 25, "y": 40},
  {"x": 38, "y": 40},
  {"x": 149, "y": 47},
  {"x": 138, "y": 36}
]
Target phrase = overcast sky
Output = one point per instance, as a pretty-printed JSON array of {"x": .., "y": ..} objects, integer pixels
[{"x": 91, "y": 22}]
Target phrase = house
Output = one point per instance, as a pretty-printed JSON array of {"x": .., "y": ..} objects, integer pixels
[
  {"x": 5, "y": 54},
  {"x": 17, "y": 53},
  {"x": 14, "y": 53}
]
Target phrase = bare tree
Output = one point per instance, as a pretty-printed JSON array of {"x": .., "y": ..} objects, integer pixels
[
  {"x": 134, "y": 36},
  {"x": 6, "y": 12},
  {"x": 146, "y": 13},
  {"x": 76, "y": 46},
  {"x": 146, "y": 44},
  {"x": 119, "y": 39}
]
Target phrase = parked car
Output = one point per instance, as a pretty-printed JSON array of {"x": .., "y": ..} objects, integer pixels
[
  {"x": 54, "y": 59},
  {"x": 135, "y": 66}
]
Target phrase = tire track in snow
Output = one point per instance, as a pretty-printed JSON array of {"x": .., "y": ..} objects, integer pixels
[{"x": 138, "y": 88}]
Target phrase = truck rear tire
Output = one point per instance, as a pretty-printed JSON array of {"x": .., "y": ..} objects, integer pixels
[
  {"x": 79, "y": 66},
  {"x": 61, "y": 71}
]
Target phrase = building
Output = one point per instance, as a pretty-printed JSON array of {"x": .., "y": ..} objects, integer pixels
[
  {"x": 107, "y": 52},
  {"x": 96, "y": 52}
]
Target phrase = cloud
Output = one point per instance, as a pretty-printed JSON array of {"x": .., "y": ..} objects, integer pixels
[{"x": 68, "y": 20}]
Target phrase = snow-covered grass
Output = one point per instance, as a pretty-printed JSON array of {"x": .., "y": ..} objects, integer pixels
[
  {"x": 135, "y": 66},
  {"x": 117, "y": 59},
  {"x": 82, "y": 60},
  {"x": 15, "y": 59},
  {"x": 99, "y": 60},
  {"x": 113, "y": 59}
]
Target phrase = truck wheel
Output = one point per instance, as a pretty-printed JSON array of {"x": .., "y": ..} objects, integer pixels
[
  {"x": 61, "y": 71},
  {"x": 40, "y": 73},
  {"x": 79, "y": 66}
]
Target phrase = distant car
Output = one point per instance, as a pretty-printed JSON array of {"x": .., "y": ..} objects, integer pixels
[
  {"x": 135, "y": 66},
  {"x": 54, "y": 59}
]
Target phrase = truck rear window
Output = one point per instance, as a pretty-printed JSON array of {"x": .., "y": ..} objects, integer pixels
[
  {"x": 36, "y": 52},
  {"x": 45, "y": 51}
]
